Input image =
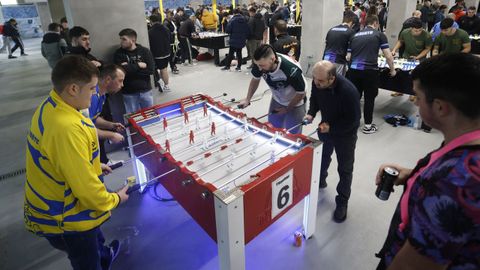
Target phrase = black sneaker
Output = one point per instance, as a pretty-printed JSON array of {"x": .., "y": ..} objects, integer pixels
[
  {"x": 175, "y": 71},
  {"x": 340, "y": 213},
  {"x": 225, "y": 68},
  {"x": 114, "y": 251},
  {"x": 372, "y": 129},
  {"x": 24, "y": 54},
  {"x": 11, "y": 57},
  {"x": 239, "y": 69}
]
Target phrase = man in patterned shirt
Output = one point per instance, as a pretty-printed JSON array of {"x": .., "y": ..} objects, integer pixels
[{"x": 437, "y": 223}]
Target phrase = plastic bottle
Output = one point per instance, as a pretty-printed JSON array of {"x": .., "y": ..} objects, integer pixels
[{"x": 417, "y": 123}]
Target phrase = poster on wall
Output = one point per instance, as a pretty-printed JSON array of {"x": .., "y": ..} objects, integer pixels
[{"x": 27, "y": 18}]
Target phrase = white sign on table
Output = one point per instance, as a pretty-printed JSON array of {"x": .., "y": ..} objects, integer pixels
[{"x": 282, "y": 193}]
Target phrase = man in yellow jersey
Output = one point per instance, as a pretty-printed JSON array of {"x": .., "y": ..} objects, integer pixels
[{"x": 65, "y": 198}]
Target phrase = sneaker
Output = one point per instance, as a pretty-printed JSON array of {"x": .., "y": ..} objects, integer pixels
[
  {"x": 369, "y": 130},
  {"x": 114, "y": 251},
  {"x": 11, "y": 57},
  {"x": 175, "y": 71},
  {"x": 225, "y": 68},
  {"x": 412, "y": 98},
  {"x": 185, "y": 63},
  {"x": 24, "y": 54},
  {"x": 396, "y": 94},
  {"x": 250, "y": 67},
  {"x": 340, "y": 213},
  {"x": 166, "y": 88},
  {"x": 239, "y": 69}
]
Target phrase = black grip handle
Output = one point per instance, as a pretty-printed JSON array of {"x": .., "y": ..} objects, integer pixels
[
  {"x": 133, "y": 188},
  {"x": 116, "y": 165}
]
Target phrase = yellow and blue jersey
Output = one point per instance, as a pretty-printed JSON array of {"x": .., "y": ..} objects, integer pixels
[
  {"x": 63, "y": 189},
  {"x": 96, "y": 105}
]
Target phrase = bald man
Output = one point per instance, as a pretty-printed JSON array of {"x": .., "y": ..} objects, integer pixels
[{"x": 338, "y": 101}]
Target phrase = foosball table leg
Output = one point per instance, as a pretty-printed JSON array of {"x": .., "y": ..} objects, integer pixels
[
  {"x": 310, "y": 204},
  {"x": 138, "y": 168},
  {"x": 229, "y": 218}
]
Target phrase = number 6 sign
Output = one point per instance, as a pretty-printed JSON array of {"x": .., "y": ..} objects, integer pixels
[{"x": 282, "y": 193}]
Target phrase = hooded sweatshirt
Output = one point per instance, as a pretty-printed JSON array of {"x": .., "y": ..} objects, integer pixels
[
  {"x": 137, "y": 80},
  {"x": 53, "y": 47}
]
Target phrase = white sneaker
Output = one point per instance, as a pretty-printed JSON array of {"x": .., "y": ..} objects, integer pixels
[
  {"x": 372, "y": 129},
  {"x": 166, "y": 88}
]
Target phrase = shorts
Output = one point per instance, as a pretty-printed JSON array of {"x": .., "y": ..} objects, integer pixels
[{"x": 161, "y": 63}]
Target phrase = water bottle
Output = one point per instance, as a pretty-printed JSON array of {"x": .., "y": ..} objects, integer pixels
[{"x": 417, "y": 123}]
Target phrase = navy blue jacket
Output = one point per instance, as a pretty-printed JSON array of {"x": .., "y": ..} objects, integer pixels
[
  {"x": 339, "y": 105},
  {"x": 238, "y": 30}
]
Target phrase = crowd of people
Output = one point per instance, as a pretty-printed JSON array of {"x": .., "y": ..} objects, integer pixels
[{"x": 65, "y": 146}]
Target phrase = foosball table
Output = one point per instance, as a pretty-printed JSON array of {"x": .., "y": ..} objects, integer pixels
[
  {"x": 402, "y": 82},
  {"x": 234, "y": 175}
]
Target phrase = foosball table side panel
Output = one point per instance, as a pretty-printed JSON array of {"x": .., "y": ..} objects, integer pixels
[{"x": 258, "y": 201}]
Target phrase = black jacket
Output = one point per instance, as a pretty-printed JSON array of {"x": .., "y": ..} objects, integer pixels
[
  {"x": 257, "y": 26},
  {"x": 287, "y": 45},
  {"x": 186, "y": 29},
  {"x": 10, "y": 30},
  {"x": 171, "y": 26},
  {"x": 178, "y": 20},
  {"x": 339, "y": 105},
  {"x": 82, "y": 52},
  {"x": 239, "y": 32},
  {"x": 137, "y": 80},
  {"x": 159, "y": 37},
  {"x": 470, "y": 24}
]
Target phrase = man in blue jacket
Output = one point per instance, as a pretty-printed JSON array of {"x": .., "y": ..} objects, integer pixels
[{"x": 239, "y": 32}]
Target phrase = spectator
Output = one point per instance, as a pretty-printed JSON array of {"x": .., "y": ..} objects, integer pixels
[
  {"x": 159, "y": 37},
  {"x": 239, "y": 32},
  {"x": 64, "y": 31},
  {"x": 10, "y": 30},
  {"x": 185, "y": 33},
  {"x": 470, "y": 22},
  {"x": 440, "y": 13},
  {"x": 258, "y": 32},
  {"x": 81, "y": 44},
  {"x": 53, "y": 45}
]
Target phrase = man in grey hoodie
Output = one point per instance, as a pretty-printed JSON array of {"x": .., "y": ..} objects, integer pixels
[{"x": 53, "y": 45}]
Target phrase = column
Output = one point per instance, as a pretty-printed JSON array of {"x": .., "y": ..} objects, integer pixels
[
  {"x": 318, "y": 17},
  {"x": 469, "y": 3},
  {"x": 44, "y": 14},
  {"x": 399, "y": 11},
  {"x": 57, "y": 10}
]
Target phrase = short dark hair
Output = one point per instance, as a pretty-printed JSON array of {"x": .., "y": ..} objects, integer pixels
[
  {"x": 53, "y": 27},
  {"x": 73, "y": 69},
  {"x": 252, "y": 9},
  {"x": 435, "y": 77},
  {"x": 371, "y": 19},
  {"x": 180, "y": 9},
  {"x": 155, "y": 18},
  {"x": 281, "y": 26},
  {"x": 63, "y": 20},
  {"x": 109, "y": 70},
  {"x": 236, "y": 11},
  {"x": 348, "y": 17},
  {"x": 416, "y": 23},
  {"x": 472, "y": 8},
  {"x": 446, "y": 23},
  {"x": 129, "y": 33},
  {"x": 442, "y": 7},
  {"x": 77, "y": 31},
  {"x": 264, "y": 51},
  {"x": 170, "y": 12}
]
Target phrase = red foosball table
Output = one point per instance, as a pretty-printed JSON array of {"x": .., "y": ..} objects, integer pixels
[{"x": 234, "y": 175}]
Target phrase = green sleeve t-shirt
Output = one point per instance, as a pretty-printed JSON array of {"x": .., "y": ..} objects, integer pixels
[
  {"x": 414, "y": 45},
  {"x": 452, "y": 44}
]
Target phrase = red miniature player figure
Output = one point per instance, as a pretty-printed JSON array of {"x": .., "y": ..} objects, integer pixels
[
  {"x": 205, "y": 110},
  {"x": 167, "y": 145},
  {"x": 192, "y": 137},
  {"x": 185, "y": 116},
  {"x": 165, "y": 124},
  {"x": 213, "y": 129}
]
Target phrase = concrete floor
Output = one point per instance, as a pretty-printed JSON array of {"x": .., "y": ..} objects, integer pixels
[{"x": 161, "y": 235}]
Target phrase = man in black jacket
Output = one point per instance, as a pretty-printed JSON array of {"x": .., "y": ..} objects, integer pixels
[
  {"x": 285, "y": 43},
  {"x": 257, "y": 26},
  {"x": 470, "y": 22},
  {"x": 170, "y": 24},
  {"x": 139, "y": 65},
  {"x": 80, "y": 44},
  {"x": 159, "y": 37},
  {"x": 185, "y": 33},
  {"x": 338, "y": 101},
  {"x": 10, "y": 30}
]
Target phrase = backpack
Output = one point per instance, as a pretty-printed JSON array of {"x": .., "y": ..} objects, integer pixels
[{"x": 397, "y": 119}]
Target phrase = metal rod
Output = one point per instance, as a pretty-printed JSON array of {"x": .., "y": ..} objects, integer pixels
[
  {"x": 222, "y": 95},
  {"x": 144, "y": 184}
]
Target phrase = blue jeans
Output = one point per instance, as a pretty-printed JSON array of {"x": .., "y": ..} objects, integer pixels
[
  {"x": 137, "y": 101},
  {"x": 286, "y": 120},
  {"x": 86, "y": 250}
]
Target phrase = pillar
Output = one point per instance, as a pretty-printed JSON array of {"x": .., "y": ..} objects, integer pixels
[
  {"x": 44, "y": 14},
  {"x": 317, "y": 18},
  {"x": 57, "y": 10},
  {"x": 469, "y": 3},
  {"x": 399, "y": 11}
]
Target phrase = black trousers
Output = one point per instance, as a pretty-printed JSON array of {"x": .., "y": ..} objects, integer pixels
[
  {"x": 173, "y": 57},
  {"x": 86, "y": 250},
  {"x": 186, "y": 48},
  {"x": 344, "y": 146},
  {"x": 367, "y": 83},
  {"x": 18, "y": 44},
  {"x": 238, "y": 53}
]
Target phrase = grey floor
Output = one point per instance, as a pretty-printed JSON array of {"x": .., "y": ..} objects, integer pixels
[{"x": 161, "y": 235}]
